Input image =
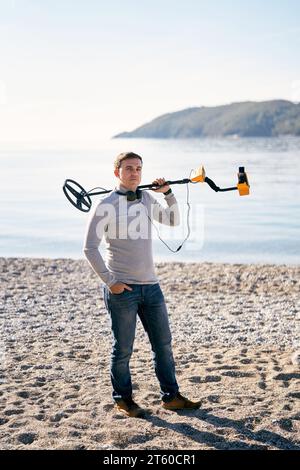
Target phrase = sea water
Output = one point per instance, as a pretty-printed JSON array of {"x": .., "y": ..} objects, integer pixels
[{"x": 38, "y": 221}]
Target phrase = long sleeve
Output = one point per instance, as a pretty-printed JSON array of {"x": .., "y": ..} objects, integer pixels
[
  {"x": 166, "y": 215},
  {"x": 94, "y": 234}
]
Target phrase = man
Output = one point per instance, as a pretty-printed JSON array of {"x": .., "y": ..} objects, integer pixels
[{"x": 131, "y": 287}]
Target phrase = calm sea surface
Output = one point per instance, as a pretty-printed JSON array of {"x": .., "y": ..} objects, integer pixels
[{"x": 38, "y": 221}]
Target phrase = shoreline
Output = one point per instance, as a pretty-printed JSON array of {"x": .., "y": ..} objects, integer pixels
[{"x": 157, "y": 262}]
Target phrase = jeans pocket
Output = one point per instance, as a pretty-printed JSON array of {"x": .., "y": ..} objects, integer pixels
[
  {"x": 157, "y": 293},
  {"x": 120, "y": 293}
]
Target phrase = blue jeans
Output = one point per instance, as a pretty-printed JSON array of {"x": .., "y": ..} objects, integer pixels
[{"x": 146, "y": 301}]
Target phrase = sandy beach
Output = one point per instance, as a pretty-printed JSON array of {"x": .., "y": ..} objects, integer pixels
[{"x": 235, "y": 329}]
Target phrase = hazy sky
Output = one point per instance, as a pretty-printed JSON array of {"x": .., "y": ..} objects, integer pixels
[{"x": 73, "y": 72}]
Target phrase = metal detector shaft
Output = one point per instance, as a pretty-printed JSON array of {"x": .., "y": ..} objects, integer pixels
[
  {"x": 149, "y": 186},
  {"x": 183, "y": 181},
  {"x": 216, "y": 188}
]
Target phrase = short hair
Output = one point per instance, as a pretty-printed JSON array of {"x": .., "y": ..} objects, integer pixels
[{"x": 124, "y": 156}]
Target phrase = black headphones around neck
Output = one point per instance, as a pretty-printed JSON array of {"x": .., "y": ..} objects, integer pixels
[{"x": 132, "y": 195}]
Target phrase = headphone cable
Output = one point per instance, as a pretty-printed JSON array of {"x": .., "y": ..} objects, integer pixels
[{"x": 187, "y": 221}]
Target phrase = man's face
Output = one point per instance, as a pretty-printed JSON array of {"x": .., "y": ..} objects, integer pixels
[{"x": 130, "y": 173}]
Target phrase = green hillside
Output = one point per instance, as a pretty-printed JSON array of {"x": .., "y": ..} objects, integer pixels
[{"x": 246, "y": 119}]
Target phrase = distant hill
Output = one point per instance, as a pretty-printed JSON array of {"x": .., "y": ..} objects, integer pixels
[{"x": 246, "y": 119}]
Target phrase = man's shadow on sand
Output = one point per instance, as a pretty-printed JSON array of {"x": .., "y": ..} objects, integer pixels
[{"x": 263, "y": 436}]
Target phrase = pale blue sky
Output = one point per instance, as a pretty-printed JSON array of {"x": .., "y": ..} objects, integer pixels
[{"x": 73, "y": 72}]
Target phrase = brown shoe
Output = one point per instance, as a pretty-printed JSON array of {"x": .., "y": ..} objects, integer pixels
[
  {"x": 181, "y": 403},
  {"x": 130, "y": 408}
]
